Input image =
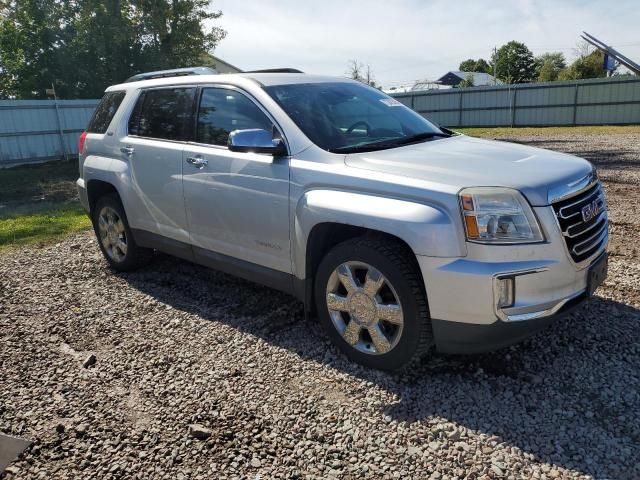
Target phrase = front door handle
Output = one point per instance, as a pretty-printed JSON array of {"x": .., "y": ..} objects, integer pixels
[
  {"x": 128, "y": 151},
  {"x": 197, "y": 161}
]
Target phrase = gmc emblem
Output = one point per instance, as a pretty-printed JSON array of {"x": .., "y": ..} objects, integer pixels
[{"x": 591, "y": 210}]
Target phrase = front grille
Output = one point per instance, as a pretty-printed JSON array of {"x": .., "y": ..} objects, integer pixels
[{"x": 583, "y": 238}]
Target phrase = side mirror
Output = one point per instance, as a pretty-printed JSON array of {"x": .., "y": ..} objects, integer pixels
[{"x": 256, "y": 140}]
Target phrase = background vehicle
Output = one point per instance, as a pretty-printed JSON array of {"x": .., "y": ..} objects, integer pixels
[{"x": 396, "y": 233}]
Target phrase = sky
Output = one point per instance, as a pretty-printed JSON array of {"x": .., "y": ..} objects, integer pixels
[{"x": 406, "y": 40}]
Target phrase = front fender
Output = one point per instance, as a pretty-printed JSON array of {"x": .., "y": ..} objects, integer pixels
[{"x": 427, "y": 229}]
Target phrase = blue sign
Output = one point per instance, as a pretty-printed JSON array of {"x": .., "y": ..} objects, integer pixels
[{"x": 609, "y": 63}]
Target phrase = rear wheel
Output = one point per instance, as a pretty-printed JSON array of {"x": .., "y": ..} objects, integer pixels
[
  {"x": 114, "y": 235},
  {"x": 371, "y": 300}
]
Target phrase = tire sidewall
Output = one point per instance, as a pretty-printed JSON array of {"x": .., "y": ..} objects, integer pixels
[
  {"x": 113, "y": 202},
  {"x": 404, "y": 351}
]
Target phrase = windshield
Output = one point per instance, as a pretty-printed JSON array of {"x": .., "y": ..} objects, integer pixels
[{"x": 346, "y": 117}]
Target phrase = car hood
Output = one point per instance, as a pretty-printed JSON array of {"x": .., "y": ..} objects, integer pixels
[{"x": 462, "y": 161}]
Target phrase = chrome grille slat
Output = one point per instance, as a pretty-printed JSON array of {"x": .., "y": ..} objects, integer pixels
[
  {"x": 567, "y": 232},
  {"x": 589, "y": 241},
  {"x": 601, "y": 206},
  {"x": 582, "y": 201},
  {"x": 583, "y": 239},
  {"x": 570, "y": 216}
]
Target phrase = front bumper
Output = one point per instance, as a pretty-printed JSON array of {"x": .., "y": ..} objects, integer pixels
[
  {"x": 461, "y": 291},
  {"x": 469, "y": 338}
]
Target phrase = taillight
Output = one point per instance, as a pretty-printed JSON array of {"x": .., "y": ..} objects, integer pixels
[{"x": 83, "y": 138}]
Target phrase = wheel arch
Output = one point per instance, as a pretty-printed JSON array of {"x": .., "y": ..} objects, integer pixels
[
  {"x": 97, "y": 189},
  {"x": 326, "y": 235},
  {"x": 323, "y": 218},
  {"x": 425, "y": 229}
]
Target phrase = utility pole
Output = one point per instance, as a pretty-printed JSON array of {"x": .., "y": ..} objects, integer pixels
[
  {"x": 59, "y": 121},
  {"x": 495, "y": 62}
]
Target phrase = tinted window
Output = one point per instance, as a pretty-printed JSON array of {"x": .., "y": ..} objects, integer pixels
[
  {"x": 105, "y": 111},
  {"x": 222, "y": 111},
  {"x": 343, "y": 115},
  {"x": 163, "y": 113}
]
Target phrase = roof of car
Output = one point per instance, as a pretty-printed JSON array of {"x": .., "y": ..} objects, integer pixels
[
  {"x": 265, "y": 79},
  {"x": 270, "y": 79}
]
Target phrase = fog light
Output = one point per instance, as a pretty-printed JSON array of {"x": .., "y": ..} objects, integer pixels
[{"x": 505, "y": 292}]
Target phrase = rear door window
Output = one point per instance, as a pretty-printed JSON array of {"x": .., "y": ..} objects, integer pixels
[
  {"x": 163, "y": 113},
  {"x": 223, "y": 111},
  {"x": 105, "y": 111}
]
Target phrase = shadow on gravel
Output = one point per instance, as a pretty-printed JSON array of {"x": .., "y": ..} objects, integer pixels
[{"x": 569, "y": 396}]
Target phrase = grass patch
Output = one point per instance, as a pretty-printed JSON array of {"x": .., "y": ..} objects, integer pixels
[
  {"x": 39, "y": 204},
  {"x": 548, "y": 131},
  {"x": 42, "y": 227}
]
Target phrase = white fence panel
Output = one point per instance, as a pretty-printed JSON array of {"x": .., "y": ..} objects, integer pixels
[
  {"x": 34, "y": 131},
  {"x": 611, "y": 101}
]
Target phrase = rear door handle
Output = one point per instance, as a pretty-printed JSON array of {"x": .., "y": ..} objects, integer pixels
[
  {"x": 128, "y": 151},
  {"x": 197, "y": 161}
]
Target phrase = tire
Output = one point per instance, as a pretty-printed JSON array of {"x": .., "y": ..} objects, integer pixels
[
  {"x": 383, "y": 273},
  {"x": 114, "y": 235}
]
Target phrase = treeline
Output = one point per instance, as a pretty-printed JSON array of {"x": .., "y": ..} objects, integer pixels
[
  {"x": 515, "y": 63},
  {"x": 82, "y": 46}
]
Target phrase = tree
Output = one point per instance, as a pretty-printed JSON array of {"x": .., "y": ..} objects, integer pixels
[
  {"x": 32, "y": 33},
  {"x": 108, "y": 31},
  {"x": 468, "y": 65},
  {"x": 11, "y": 40},
  {"x": 514, "y": 63},
  {"x": 472, "y": 65},
  {"x": 82, "y": 46},
  {"x": 467, "y": 82},
  {"x": 361, "y": 72},
  {"x": 588, "y": 66},
  {"x": 354, "y": 70},
  {"x": 175, "y": 32},
  {"x": 549, "y": 66},
  {"x": 482, "y": 66}
]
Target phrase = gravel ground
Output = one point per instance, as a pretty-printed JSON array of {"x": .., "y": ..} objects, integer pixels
[{"x": 176, "y": 372}]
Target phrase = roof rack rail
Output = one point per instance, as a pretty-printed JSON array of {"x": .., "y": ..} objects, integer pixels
[
  {"x": 176, "y": 72},
  {"x": 276, "y": 70}
]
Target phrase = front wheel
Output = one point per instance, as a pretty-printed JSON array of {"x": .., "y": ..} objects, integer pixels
[{"x": 371, "y": 301}]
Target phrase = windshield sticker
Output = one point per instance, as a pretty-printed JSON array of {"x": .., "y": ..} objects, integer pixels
[{"x": 391, "y": 102}]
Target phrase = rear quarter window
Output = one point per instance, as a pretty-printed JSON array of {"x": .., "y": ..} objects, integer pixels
[{"x": 105, "y": 111}]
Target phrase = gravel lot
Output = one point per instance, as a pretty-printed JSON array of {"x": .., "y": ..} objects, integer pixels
[{"x": 200, "y": 375}]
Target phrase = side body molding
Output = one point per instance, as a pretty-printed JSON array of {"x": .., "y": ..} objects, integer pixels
[{"x": 427, "y": 229}]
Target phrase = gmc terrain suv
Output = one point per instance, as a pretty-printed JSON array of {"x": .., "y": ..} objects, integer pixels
[{"x": 397, "y": 234}]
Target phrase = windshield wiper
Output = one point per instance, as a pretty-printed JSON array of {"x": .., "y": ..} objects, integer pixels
[
  {"x": 368, "y": 147},
  {"x": 420, "y": 136}
]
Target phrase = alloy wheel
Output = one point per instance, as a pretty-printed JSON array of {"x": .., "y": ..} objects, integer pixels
[
  {"x": 112, "y": 234},
  {"x": 364, "y": 308}
]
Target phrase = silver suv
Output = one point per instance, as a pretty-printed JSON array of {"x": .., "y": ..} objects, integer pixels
[{"x": 396, "y": 234}]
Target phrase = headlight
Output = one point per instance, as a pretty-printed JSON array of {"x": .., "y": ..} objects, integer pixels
[{"x": 498, "y": 215}]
